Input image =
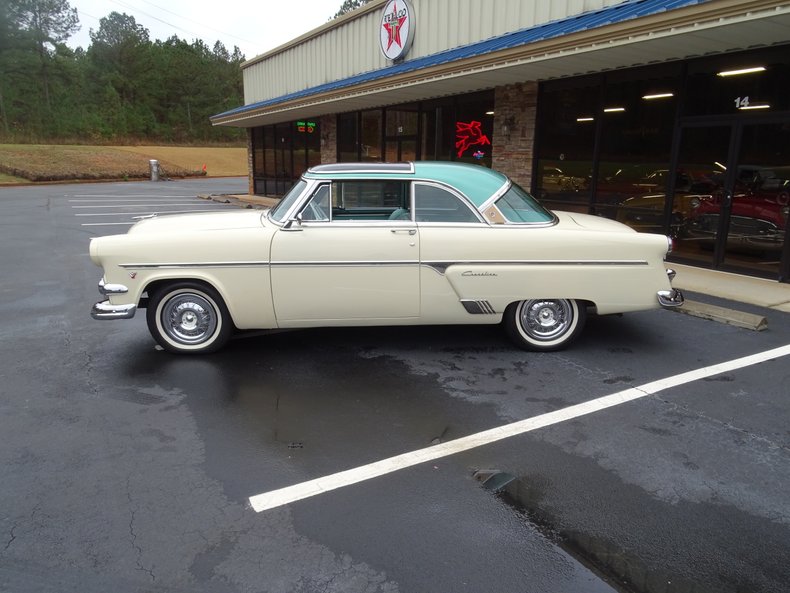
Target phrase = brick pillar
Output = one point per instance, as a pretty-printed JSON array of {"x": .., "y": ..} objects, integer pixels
[
  {"x": 514, "y": 130},
  {"x": 328, "y": 139}
]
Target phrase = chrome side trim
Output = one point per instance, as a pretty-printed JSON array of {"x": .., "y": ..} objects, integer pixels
[
  {"x": 106, "y": 310},
  {"x": 441, "y": 267},
  {"x": 106, "y": 289},
  {"x": 670, "y": 298},
  {"x": 343, "y": 264},
  {"x": 172, "y": 266},
  {"x": 478, "y": 307}
]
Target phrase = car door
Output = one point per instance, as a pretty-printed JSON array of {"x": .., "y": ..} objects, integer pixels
[{"x": 351, "y": 258}]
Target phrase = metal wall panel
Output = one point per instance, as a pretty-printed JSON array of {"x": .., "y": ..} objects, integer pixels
[{"x": 350, "y": 45}]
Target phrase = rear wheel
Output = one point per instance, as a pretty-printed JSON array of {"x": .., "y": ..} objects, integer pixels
[
  {"x": 545, "y": 325},
  {"x": 188, "y": 317}
]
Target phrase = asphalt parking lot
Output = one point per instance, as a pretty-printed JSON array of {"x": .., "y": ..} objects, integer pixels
[{"x": 653, "y": 456}]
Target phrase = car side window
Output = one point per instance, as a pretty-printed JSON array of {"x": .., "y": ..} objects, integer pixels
[
  {"x": 317, "y": 207},
  {"x": 369, "y": 200},
  {"x": 433, "y": 203}
]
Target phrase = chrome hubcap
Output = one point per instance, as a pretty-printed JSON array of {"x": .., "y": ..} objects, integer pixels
[
  {"x": 189, "y": 318},
  {"x": 546, "y": 320}
]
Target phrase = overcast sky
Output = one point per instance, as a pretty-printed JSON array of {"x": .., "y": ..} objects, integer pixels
[{"x": 255, "y": 26}]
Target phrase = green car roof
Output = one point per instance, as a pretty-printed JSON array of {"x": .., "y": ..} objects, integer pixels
[{"x": 476, "y": 182}]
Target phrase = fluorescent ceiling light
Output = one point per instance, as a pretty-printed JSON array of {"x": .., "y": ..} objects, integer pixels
[
  {"x": 719, "y": 165},
  {"x": 585, "y": 119},
  {"x": 614, "y": 109},
  {"x": 658, "y": 96},
  {"x": 742, "y": 71},
  {"x": 757, "y": 106},
  {"x": 489, "y": 113}
]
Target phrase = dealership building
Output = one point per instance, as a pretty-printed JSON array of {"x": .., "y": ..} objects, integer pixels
[{"x": 672, "y": 116}]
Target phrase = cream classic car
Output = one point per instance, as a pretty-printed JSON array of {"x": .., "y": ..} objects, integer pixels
[{"x": 381, "y": 244}]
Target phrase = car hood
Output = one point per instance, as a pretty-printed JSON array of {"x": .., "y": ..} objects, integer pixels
[
  {"x": 592, "y": 223},
  {"x": 201, "y": 221}
]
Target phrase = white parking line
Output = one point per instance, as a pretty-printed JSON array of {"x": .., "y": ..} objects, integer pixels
[
  {"x": 201, "y": 204},
  {"x": 289, "y": 494},
  {"x": 108, "y": 223},
  {"x": 148, "y": 196},
  {"x": 143, "y": 212}
]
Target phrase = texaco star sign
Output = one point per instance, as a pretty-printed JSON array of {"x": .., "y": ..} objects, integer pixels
[{"x": 396, "y": 31}]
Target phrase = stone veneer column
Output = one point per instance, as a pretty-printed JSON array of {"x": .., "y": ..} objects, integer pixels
[
  {"x": 250, "y": 177},
  {"x": 513, "y": 147},
  {"x": 328, "y": 139}
]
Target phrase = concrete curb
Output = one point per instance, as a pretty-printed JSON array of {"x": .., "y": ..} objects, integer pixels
[{"x": 724, "y": 315}]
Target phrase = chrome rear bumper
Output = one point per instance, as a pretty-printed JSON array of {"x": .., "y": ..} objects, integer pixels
[{"x": 670, "y": 298}]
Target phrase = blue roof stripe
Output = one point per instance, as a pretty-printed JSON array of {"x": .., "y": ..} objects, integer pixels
[{"x": 630, "y": 9}]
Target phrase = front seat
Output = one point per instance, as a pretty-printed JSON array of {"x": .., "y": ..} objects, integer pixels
[{"x": 400, "y": 214}]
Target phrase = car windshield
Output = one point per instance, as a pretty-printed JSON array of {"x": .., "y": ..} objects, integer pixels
[
  {"x": 516, "y": 205},
  {"x": 280, "y": 210}
]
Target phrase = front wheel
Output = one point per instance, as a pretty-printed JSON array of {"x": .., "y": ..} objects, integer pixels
[
  {"x": 545, "y": 325},
  {"x": 188, "y": 317}
]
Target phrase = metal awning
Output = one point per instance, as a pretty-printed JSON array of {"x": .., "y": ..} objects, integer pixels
[{"x": 633, "y": 33}]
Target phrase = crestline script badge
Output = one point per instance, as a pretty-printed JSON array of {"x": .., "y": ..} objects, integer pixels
[{"x": 396, "y": 31}]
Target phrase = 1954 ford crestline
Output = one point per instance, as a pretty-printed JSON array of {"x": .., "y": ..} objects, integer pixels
[{"x": 382, "y": 244}]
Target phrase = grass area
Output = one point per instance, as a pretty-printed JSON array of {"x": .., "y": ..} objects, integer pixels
[{"x": 23, "y": 163}]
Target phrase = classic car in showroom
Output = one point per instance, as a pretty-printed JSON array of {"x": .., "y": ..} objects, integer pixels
[{"x": 381, "y": 244}]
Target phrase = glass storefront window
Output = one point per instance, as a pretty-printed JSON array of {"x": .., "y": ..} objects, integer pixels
[
  {"x": 638, "y": 119},
  {"x": 313, "y": 144},
  {"x": 605, "y": 146},
  {"x": 347, "y": 148},
  {"x": 742, "y": 83},
  {"x": 371, "y": 136},
  {"x": 282, "y": 152},
  {"x": 257, "y": 152},
  {"x": 402, "y": 120},
  {"x": 567, "y": 123}
]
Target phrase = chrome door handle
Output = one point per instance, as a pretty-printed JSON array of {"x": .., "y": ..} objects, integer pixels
[{"x": 410, "y": 231}]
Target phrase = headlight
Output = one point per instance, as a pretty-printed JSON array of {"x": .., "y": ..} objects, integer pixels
[{"x": 670, "y": 245}]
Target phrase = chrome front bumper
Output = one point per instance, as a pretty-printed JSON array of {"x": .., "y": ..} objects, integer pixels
[{"x": 106, "y": 310}]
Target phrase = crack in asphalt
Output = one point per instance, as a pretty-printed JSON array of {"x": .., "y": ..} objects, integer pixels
[
  {"x": 12, "y": 535},
  {"x": 140, "y": 566},
  {"x": 746, "y": 434}
]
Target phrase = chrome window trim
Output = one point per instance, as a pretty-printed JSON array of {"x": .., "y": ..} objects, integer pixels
[
  {"x": 491, "y": 203},
  {"x": 445, "y": 225},
  {"x": 520, "y": 225},
  {"x": 290, "y": 214},
  {"x": 498, "y": 194},
  {"x": 360, "y": 168},
  {"x": 361, "y": 224}
]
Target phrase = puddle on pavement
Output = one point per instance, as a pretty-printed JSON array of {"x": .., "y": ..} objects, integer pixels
[{"x": 624, "y": 572}]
